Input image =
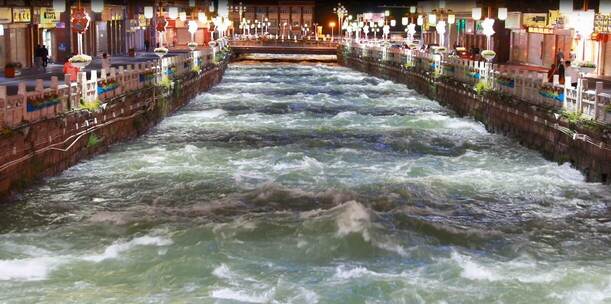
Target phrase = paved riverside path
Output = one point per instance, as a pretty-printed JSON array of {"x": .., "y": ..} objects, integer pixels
[{"x": 29, "y": 76}]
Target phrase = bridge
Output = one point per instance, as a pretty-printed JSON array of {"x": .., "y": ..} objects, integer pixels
[{"x": 303, "y": 47}]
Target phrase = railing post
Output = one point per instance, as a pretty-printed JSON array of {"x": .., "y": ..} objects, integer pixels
[{"x": 599, "y": 89}]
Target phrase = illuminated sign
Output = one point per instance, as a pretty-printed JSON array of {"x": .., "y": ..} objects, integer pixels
[
  {"x": 48, "y": 17},
  {"x": 21, "y": 14},
  {"x": 534, "y": 20},
  {"x": 540, "y": 30},
  {"x": 6, "y": 15}
]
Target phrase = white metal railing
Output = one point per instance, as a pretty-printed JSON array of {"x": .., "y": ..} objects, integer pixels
[
  {"x": 41, "y": 103},
  {"x": 511, "y": 80}
]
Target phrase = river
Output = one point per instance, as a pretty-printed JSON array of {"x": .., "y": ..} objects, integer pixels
[{"x": 310, "y": 183}]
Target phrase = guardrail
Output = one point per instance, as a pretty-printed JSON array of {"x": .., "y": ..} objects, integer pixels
[
  {"x": 60, "y": 97},
  {"x": 518, "y": 83}
]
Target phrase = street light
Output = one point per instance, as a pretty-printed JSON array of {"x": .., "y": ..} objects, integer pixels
[
  {"x": 341, "y": 12},
  {"x": 148, "y": 12},
  {"x": 332, "y": 25},
  {"x": 97, "y": 6},
  {"x": 59, "y": 6}
]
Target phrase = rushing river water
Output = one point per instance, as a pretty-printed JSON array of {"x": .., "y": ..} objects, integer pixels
[{"x": 306, "y": 183}]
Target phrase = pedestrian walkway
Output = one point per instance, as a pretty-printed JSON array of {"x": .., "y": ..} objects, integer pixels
[{"x": 29, "y": 76}]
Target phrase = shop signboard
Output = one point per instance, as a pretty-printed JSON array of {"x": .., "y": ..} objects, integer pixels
[
  {"x": 48, "y": 17},
  {"x": 534, "y": 19},
  {"x": 6, "y": 15},
  {"x": 602, "y": 23},
  {"x": 22, "y": 15}
]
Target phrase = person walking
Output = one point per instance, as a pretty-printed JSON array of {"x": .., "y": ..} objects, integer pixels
[
  {"x": 571, "y": 72},
  {"x": 551, "y": 72},
  {"x": 44, "y": 52},
  {"x": 106, "y": 62},
  {"x": 38, "y": 57},
  {"x": 561, "y": 72},
  {"x": 70, "y": 69}
]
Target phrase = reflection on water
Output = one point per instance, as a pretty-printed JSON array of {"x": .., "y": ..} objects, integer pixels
[{"x": 307, "y": 183}]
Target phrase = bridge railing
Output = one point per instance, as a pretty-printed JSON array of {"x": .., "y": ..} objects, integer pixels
[
  {"x": 282, "y": 43},
  {"x": 511, "y": 80},
  {"x": 95, "y": 86}
]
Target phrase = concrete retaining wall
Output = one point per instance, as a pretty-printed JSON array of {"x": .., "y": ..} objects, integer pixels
[
  {"x": 50, "y": 146},
  {"x": 532, "y": 127}
]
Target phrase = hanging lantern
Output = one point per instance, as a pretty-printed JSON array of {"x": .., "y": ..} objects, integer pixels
[
  {"x": 182, "y": 16},
  {"x": 97, "y": 6},
  {"x": 148, "y": 12},
  {"x": 476, "y": 13},
  {"x": 502, "y": 13},
  {"x": 393, "y": 23},
  {"x": 404, "y": 21},
  {"x": 80, "y": 20},
  {"x": 432, "y": 19},
  {"x": 193, "y": 27},
  {"x": 211, "y": 8},
  {"x": 173, "y": 12},
  {"x": 162, "y": 24},
  {"x": 59, "y": 6},
  {"x": 192, "y": 3},
  {"x": 201, "y": 16},
  {"x": 420, "y": 20},
  {"x": 451, "y": 19}
]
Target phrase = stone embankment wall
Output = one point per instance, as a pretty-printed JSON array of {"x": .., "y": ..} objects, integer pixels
[
  {"x": 531, "y": 126},
  {"x": 50, "y": 146}
]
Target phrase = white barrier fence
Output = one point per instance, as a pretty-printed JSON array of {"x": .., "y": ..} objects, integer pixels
[
  {"x": 47, "y": 102},
  {"x": 519, "y": 83}
]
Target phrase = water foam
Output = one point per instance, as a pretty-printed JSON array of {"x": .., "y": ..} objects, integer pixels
[
  {"x": 355, "y": 218},
  {"x": 114, "y": 250},
  {"x": 29, "y": 269},
  {"x": 243, "y": 296}
]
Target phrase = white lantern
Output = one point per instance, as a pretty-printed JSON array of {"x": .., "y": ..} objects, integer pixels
[
  {"x": 412, "y": 9},
  {"x": 451, "y": 19},
  {"x": 1, "y": 29},
  {"x": 173, "y": 12},
  {"x": 404, "y": 21},
  {"x": 148, "y": 12},
  {"x": 441, "y": 28},
  {"x": 59, "y": 6},
  {"x": 192, "y": 3},
  {"x": 97, "y": 6},
  {"x": 420, "y": 20},
  {"x": 432, "y": 19},
  {"x": 487, "y": 25},
  {"x": 182, "y": 16},
  {"x": 387, "y": 13},
  {"x": 193, "y": 27},
  {"x": 476, "y": 13},
  {"x": 502, "y": 13},
  {"x": 201, "y": 16},
  {"x": 393, "y": 22},
  {"x": 211, "y": 8}
]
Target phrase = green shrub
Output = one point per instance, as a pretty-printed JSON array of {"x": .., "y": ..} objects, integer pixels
[
  {"x": 90, "y": 106},
  {"x": 93, "y": 141},
  {"x": 482, "y": 87}
]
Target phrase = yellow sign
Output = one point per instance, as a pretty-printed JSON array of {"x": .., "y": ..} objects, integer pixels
[
  {"x": 534, "y": 20},
  {"x": 6, "y": 15},
  {"x": 21, "y": 14},
  {"x": 48, "y": 17}
]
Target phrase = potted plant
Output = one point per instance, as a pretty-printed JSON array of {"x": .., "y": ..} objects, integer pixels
[
  {"x": 586, "y": 67},
  {"x": 488, "y": 55},
  {"x": 160, "y": 51},
  {"x": 80, "y": 61},
  {"x": 10, "y": 69}
]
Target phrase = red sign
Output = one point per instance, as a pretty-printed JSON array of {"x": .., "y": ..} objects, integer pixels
[
  {"x": 80, "y": 20},
  {"x": 162, "y": 24}
]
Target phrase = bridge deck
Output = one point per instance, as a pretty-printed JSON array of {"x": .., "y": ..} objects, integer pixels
[{"x": 301, "y": 48}]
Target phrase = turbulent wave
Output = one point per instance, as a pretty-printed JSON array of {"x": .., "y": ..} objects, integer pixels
[{"x": 308, "y": 183}]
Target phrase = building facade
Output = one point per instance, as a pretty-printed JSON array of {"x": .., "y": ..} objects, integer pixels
[{"x": 282, "y": 16}]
